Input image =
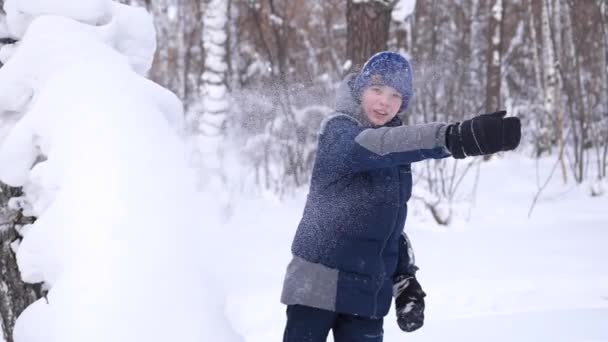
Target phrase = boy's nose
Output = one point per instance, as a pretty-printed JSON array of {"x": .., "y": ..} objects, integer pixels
[{"x": 384, "y": 100}]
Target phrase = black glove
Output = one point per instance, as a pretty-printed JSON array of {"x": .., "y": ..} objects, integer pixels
[
  {"x": 483, "y": 134},
  {"x": 409, "y": 302}
]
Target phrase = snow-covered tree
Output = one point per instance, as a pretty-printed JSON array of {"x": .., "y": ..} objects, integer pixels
[
  {"x": 98, "y": 151},
  {"x": 15, "y": 295},
  {"x": 209, "y": 104}
]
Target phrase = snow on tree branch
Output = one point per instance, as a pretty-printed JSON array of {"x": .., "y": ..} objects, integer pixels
[{"x": 98, "y": 151}]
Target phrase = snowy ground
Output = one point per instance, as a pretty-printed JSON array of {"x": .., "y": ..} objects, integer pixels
[{"x": 498, "y": 277}]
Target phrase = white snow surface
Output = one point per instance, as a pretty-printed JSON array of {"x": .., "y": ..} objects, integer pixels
[{"x": 119, "y": 238}]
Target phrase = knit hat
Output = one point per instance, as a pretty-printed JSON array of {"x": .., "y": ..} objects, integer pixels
[{"x": 386, "y": 68}]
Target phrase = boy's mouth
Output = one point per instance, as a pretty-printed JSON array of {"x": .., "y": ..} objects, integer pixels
[{"x": 380, "y": 113}]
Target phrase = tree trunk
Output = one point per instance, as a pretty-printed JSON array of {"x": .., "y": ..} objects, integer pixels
[
  {"x": 581, "y": 117},
  {"x": 559, "y": 112},
  {"x": 533, "y": 35},
  {"x": 541, "y": 141},
  {"x": 604, "y": 26},
  {"x": 191, "y": 15},
  {"x": 494, "y": 55},
  {"x": 367, "y": 29},
  {"x": 548, "y": 60},
  {"x": 214, "y": 77},
  {"x": 551, "y": 43},
  {"x": 15, "y": 295}
]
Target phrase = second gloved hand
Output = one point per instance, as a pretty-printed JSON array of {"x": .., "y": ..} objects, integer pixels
[
  {"x": 409, "y": 303},
  {"x": 483, "y": 134}
]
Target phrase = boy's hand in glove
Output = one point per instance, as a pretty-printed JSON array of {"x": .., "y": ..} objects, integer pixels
[
  {"x": 483, "y": 134},
  {"x": 409, "y": 303}
]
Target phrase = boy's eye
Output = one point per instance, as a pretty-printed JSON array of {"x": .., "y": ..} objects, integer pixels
[
  {"x": 397, "y": 95},
  {"x": 376, "y": 90}
]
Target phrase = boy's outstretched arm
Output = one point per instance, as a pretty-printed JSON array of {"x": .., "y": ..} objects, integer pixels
[
  {"x": 343, "y": 140},
  {"x": 360, "y": 149}
]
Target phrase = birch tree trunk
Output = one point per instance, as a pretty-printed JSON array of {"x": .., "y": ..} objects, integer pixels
[
  {"x": 580, "y": 118},
  {"x": 537, "y": 61},
  {"x": 559, "y": 111},
  {"x": 542, "y": 141},
  {"x": 551, "y": 74},
  {"x": 214, "y": 78}
]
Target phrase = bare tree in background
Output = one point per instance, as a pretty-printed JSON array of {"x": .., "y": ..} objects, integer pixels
[
  {"x": 179, "y": 55},
  {"x": 604, "y": 18},
  {"x": 579, "y": 62},
  {"x": 539, "y": 122},
  {"x": 449, "y": 83},
  {"x": 551, "y": 39},
  {"x": 288, "y": 60},
  {"x": 368, "y": 24},
  {"x": 494, "y": 56}
]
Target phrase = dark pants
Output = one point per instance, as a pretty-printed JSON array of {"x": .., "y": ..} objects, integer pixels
[{"x": 306, "y": 324}]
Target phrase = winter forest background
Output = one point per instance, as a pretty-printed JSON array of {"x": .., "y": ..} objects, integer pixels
[
  {"x": 255, "y": 79},
  {"x": 265, "y": 71}
]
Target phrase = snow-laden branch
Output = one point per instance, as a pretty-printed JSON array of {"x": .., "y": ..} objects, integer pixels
[{"x": 98, "y": 151}]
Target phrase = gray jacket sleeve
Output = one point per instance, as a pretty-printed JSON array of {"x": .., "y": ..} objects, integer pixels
[
  {"x": 387, "y": 140},
  {"x": 343, "y": 140}
]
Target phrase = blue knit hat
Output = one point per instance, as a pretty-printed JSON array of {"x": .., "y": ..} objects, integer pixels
[{"x": 386, "y": 68}]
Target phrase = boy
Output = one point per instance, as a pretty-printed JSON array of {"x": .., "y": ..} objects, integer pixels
[{"x": 350, "y": 254}]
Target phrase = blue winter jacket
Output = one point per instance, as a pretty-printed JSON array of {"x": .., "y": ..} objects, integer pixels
[{"x": 346, "y": 247}]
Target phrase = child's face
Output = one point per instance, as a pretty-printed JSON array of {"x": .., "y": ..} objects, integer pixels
[{"x": 380, "y": 103}]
